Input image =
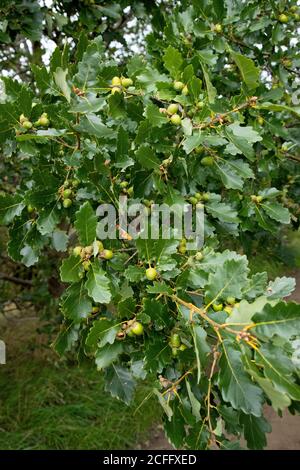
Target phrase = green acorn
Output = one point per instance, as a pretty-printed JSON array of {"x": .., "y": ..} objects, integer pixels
[
  {"x": 137, "y": 328},
  {"x": 178, "y": 86},
  {"x": 67, "y": 203},
  {"x": 151, "y": 274},
  {"x": 207, "y": 161}
]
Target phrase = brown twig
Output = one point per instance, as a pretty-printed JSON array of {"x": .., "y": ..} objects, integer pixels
[
  {"x": 292, "y": 157},
  {"x": 173, "y": 387},
  {"x": 78, "y": 145},
  {"x": 221, "y": 118},
  {"x": 16, "y": 280},
  {"x": 208, "y": 398},
  {"x": 202, "y": 313}
]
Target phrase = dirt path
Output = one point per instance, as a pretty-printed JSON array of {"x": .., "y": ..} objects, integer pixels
[
  {"x": 285, "y": 433},
  {"x": 296, "y": 294},
  {"x": 286, "y": 430}
]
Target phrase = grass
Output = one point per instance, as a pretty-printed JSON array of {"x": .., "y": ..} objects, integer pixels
[
  {"x": 46, "y": 403},
  {"x": 284, "y": 260},
  {"x": 274, "y": 267},
  {"x": 46, "y": 406}
]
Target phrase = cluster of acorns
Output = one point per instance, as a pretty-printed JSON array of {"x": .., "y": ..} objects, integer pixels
[
  {"x": 180, "y": 86},
  {"x": 119, "y": 83},
  {"x": 124, "y": 187},
  {"x": 172, "y": 110},
  {"x": 294, "y": 10},
  {"x": 182, "y": 248},
  {"x": 25, "y": 122},
  {"x": 176, "y": 344},
  {"x": 43, "y": 121},
  {"x": 230, "y": 303},
  {"x": 87, "y": 252},
  {"x": 207, "y": 160},
  {"x": 67, "y": 192},
  {"x": 197, "y": 197},
  {"x": 217, "y": 28},
  {"x": 256, "y": 199},
  {"x": 130, "y": 328}
]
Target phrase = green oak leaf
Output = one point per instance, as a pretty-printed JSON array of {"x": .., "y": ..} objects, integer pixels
[
  {"x": 158, "y": 313},
  {"x": 256, "y": 286},
  {"x": 134, "y": 273},
  {"x": 249, "y": 72},
  {"x": 245, "y": 311},
  {"x": 222, "y": 211},
  {"x": 279, "y": 399},
  {"x": 60, "y": 78},
  {"x": 98, "y": 284},
  {"x": 108, "y": 354},
  {"x": 66, "y": 338},
  {"x": 282, "y": 319},
  {"x": 279, "y": 369},
  {"x": 195, "y": 404},
  {"x": 255, "y": 429},
  {"x": 120, "y": 383},
  {"x": 235, "y": 383},
  {"x": 228, "y": 280},
  {"x": 154, "y": 116},
  {"x": 146, "y": 157},
  {"x": 198, "y": 436},
  {"x": 48, "y": 219},
  {"x": 86, "y": 224},
  {"x": 157, "y": 353},
  {"x": 60, "y": 240},
  {"x": 233, "y": 173},
  {"x": 211, "y": 90},
  {"x": 75, "y": 303},
  {"x": 102, "y": 332},
  {"x": 201, "y": 348},
  {"x": 276, "y": 211},
  {"x": 175, "y": 427},
  {"x": 92, "y": 125},
  {"x": 163, "y": 400},
  {"x": 280, "y": 287},
  {"x": 71, "y": 269},
  {"x": 172, "y": 60},
  {"x": 11, "y": 206}
]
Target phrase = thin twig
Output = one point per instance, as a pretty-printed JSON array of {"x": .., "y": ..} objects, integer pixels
[
  {"x": 16, "y": 280},
  {"x": 208, "y": 398}
]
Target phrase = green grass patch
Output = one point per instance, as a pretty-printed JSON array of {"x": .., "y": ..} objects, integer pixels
[
  {"x": 48, "y": 406},
  {"x": 280, "y": 261},
  {"x": 273, "y": 266}
]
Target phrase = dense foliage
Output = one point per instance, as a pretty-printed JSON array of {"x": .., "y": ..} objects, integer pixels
[
  {"x": 209, "y": 116},
  {"x": 29, "y": 29}
]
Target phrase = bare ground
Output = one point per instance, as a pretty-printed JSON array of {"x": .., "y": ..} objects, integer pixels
[{"x": 285, "y": 433}]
